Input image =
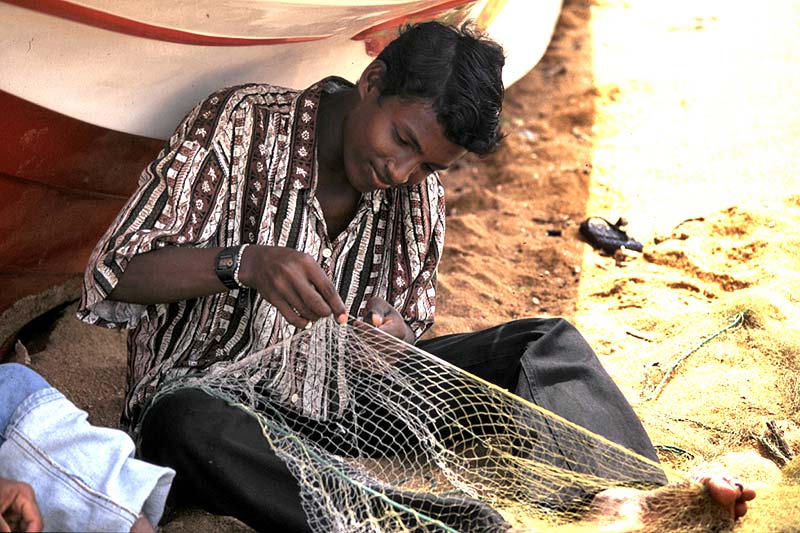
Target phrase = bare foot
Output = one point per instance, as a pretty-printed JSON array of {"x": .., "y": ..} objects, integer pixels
[
  {"x": 627, "y": 509},
  {"x": 727, "y": 491}
]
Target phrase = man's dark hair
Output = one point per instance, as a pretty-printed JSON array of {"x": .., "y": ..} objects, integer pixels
[{"x": 457, "y": 69}]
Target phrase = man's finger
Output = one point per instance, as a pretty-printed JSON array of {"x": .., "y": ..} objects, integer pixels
[
  {"x": 289, "y": 313},
  {"x": 313, "y": 302},
  {"x": 328, "y": 292},
  {"x": 376, "y": 311},
  {"x": 299, "y": 304},
  {"x": 31, "y": 517}
]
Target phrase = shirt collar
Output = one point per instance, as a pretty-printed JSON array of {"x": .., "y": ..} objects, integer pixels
[
  {"x": 303, "y": 158},
  {"x": 375, "y": 198}
]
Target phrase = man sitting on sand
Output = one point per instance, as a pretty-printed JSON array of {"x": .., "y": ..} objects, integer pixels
[
  {"x": 270, "y": 208},
  {"x": 60, "y": 473}
]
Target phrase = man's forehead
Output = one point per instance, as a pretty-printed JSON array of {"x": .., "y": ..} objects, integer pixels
[
  {"x": 417, "y": 122},
  {"x": 419, "y": 118}
]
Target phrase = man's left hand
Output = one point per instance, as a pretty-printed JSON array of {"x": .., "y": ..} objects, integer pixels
[
  {"x": 382, "y": 315},
  {"x": 18, "y": 508}
]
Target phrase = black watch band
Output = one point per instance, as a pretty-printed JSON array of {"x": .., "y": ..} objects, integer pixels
[{"x": 226, "y": 265}]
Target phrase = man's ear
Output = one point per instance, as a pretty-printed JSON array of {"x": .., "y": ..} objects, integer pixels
[{"x": 372, "y": 78}]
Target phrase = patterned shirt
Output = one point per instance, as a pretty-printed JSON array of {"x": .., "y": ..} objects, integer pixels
[{"x": 241, "y": 168}]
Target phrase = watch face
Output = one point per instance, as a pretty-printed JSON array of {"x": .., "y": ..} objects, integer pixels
[{"x": 225, "y": 268}]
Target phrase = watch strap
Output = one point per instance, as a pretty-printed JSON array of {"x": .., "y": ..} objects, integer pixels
[{"x": 226, "y": 266}]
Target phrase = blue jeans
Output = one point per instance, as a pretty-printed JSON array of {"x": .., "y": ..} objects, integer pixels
[{"x": 85, "y": 478}]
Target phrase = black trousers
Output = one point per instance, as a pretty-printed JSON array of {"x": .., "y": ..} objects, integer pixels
[{"x": 225, "y": 465}]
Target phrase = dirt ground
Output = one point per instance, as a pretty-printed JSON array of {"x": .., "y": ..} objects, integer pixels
[{"x": 681, "y": 117}]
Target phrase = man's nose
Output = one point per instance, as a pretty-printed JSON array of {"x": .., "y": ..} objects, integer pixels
[{"x": 399, "y": 169}]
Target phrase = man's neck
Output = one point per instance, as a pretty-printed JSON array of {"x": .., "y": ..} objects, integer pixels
[
  {"x": 330, "y": 118},
  {"x": 337, "y": 197}
]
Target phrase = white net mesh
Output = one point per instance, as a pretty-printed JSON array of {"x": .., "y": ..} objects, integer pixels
[{"x": 382, "y": 436}]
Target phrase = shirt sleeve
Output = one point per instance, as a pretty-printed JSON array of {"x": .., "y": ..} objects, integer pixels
[
  {"x": 420, "y": 299},
  {"x": 180, "y": 201}
]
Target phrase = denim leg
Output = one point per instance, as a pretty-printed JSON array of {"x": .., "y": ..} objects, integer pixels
[
  {"x": 17, "y": 382},
  {"x": 85, "y": 477}
]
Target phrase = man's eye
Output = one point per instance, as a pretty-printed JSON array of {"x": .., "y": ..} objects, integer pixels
[{"x": 399, "y": 139}]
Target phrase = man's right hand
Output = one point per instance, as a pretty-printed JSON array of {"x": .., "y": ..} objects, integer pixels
[
  {"x": 18, "y": 508},
  {"x": 293, "y": 282}
]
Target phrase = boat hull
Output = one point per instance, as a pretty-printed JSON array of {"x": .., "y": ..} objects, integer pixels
[{"x": 91, "y": 88}]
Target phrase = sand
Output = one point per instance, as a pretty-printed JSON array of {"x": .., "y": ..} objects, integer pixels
[{"x": 680, "y": 117}]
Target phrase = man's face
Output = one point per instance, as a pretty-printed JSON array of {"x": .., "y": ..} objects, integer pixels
[{"x": 391, "y": 142}]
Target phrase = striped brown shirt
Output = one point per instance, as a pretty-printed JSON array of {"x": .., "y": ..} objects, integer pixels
[{"x": 241, "y": 168}]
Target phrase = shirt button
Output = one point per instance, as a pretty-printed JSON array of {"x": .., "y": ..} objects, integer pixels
[{"x": 326, "y": 253}]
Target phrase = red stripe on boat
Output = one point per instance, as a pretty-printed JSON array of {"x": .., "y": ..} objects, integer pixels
[
  {"x": 118, "y": 24},
  {"x": 423, "y": 14},
  {"x": 377, "y": 37}
]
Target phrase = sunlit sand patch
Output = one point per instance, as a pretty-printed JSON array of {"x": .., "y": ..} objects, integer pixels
[{"x": 696, "y": 142}]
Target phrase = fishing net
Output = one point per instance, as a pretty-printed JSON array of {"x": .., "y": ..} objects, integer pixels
[{"x": 382, "y": 436}]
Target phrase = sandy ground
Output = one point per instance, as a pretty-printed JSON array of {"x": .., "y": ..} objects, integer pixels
[{"x": 681, "y": 117}]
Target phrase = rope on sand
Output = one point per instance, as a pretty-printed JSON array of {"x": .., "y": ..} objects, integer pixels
[{"x": 736, "y": 321}]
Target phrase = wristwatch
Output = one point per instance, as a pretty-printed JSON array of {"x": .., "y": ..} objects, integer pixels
[{"x": 226, "y": 266}]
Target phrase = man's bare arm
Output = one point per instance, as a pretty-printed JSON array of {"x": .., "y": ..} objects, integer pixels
[
  {"x": 169, "y": 275},
  {"x": 290, "y": 280}
]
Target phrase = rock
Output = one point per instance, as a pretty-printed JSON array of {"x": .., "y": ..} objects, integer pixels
[{"x": 19, "y": 354}]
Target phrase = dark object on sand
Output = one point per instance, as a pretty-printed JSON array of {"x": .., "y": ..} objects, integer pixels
[{"x": 606, "y": 236}]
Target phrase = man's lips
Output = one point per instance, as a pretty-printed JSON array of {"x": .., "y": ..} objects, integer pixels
[{"x": 376, "y": 179}]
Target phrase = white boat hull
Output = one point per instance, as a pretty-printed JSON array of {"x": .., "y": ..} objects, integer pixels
[{"x": 138, "y": 66}]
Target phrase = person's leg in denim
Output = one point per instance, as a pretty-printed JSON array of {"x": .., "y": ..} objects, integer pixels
[{"x": 85, "y": 477}]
